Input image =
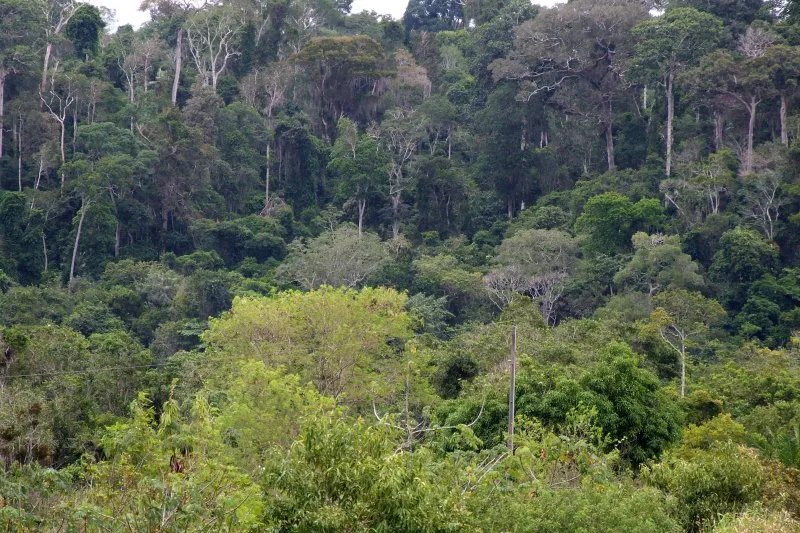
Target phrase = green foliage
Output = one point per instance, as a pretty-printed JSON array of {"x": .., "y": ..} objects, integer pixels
[
  {"x": 20, "y": 238},
  {"x": 658, "y": 263},
  {"x": 341, "y": 257},
  {"x": 743, "y": 257},
  {"x": 710, "y": 474},
  {"x": 348, "y": 476},
  {"x": 84, "y": 30},
  {"x": 613, "y": 180},
  {"x": 610, "y": 219},
  {"x": 340, "y": 339}
]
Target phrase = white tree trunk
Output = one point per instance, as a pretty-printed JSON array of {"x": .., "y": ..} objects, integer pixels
[
  {"x": 784, "y": 120},
  {"x": 609, "y": 134},
  {"x": 178, "y": 65},
  {"x": 84, "y": 208},
  {"x": 670, "y": 119},
  {"x": 47, "y": 53},
  {"x": 3, "y": 75},
  {"x": 266, "y": 180},
  {"x": 751, "y": 126},
  {"x": 396, "y": 202},
  {"x": 683, "y": 371},
  {"x": 19, "y": 152},
  {"x": 362, "y": 206}
]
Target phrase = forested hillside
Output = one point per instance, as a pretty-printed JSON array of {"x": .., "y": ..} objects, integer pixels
[{"x": 270, "y": 265}]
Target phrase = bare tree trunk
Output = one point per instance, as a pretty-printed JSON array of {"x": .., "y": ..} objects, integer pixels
[
  {"x": 512, "y": 391},
  {"x": 84, "y": 208},
  {"x": 178, "y": 64},
  {"x": 44, "y": 249},
  {"x": 396, "y": 200},
  {"x": 362, "y": 206},
  {"x": 117, "y": 234},
  {"x": 670, "y": 119},
  {"x": 719, "y": 122},
  {"x": 450, "y": 142},
  {"x": 38, "y": 180},
  {"x": 75, "y": 127},
  {"x": 751, "y": 126},
  {"x": 683, "y": 371},
  {"x": 3, "y": 75},
  {"x": 784, "y": 120},
  {"x": 47, "y": 53},
  {"x": 266, "y": 188},
  {"x": 610, "y": 148},
  {"x": 63, "y": 135},
  {"x": 19, "y": 152},
  {"x": 609, "y": 133}
]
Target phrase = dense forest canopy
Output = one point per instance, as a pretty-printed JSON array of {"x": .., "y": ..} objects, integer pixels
[{"x": 273, "y": 265}]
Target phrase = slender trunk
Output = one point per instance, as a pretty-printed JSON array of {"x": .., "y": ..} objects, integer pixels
[
  {"x": 510, "y": 206},
  {"x": 117, "y": 235},
  {"x": 396, "y": 201},
  {"x": 47, "y": 53},
  {"x": 19, "y": 152},
  {"x": 44, "y": 249},
  {"x": 3, "y": 75},
  {"x": 610, "y": 148},
  {"x": 512, "y": 391},
  {"x": 609, "y": 133},
  {"x": 670, "y": 119},
  {"x": 751, "y": 126},
  {"x": 178, "y": 63},
  {"x": 450, "y": 142},
  {"x": 683, "y": 371},
  {"x": 266, "y": 188},
  {"x": 74, "y": 127},
  {"x": 84, "y": 208},
  {"x": 38, "y": 180},
  {"x": 63, "y": 155},
  {"x": 63, "y": 136},
  {"x": 362, "y": 206},
  {"x": 644, "y": 98},
  {"x": 784, "y": 119}
]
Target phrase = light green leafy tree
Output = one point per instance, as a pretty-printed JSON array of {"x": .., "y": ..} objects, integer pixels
[
  {"x": 339, "y": 339},
  {"x": 681, "y": 318},
  {"x": 658, "y": 264}
]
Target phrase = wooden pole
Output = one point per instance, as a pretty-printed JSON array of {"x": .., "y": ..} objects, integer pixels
[{"x": 512, "y": 391}]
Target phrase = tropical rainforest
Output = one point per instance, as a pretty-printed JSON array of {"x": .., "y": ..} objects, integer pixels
[{"x": 270, "y": 265}]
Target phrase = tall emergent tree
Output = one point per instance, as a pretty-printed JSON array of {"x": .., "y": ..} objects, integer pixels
[
  {"x": 212, "y": 37},
  {"x": 57, "y": 14},
  {"x": 669, "y": 44},
  {"x": 576, "y": 53}
]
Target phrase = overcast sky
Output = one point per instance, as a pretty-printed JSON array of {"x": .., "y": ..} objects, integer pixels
[{"x": 128, "y": 13}]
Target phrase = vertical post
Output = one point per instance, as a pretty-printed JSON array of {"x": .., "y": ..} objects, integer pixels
[{"x": 512, "y": 391}]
